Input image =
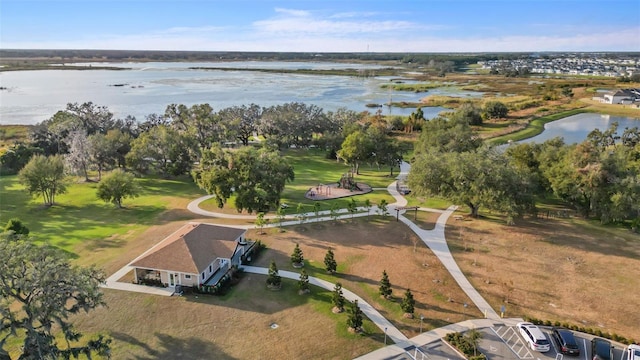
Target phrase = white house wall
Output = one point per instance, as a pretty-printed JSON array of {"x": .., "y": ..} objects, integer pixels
[{"x": 188, "y": 282}]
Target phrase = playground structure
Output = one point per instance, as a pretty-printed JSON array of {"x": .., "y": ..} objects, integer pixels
[
  {"x": 334, "y": 191},
  {"x": 348, "y": 181},
  {"x": 346, "y": 186}
]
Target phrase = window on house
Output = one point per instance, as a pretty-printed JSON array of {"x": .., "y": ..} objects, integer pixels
[
  {"x": 210, "y": 268},
  {"x": 187, "y": 276},
  {"x": 202, "y": 276}
]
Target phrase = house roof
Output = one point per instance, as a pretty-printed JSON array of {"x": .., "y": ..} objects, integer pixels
[
  {"x": 621, "y": 92},
  {"x": 192, "y": 248}
]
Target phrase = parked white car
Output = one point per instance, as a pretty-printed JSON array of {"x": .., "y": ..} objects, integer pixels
[
  {"x": 632, "y": 352},
  {"x": 534, "y": 337}
]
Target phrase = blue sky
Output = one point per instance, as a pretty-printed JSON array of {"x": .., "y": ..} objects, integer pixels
[{"x": 323, "y": 26}]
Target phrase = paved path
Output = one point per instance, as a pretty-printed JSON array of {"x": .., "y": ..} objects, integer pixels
[
  {"x": 422, "y": 340},
  {"x": 113, "y": 283},
  {"x": 434, "y": 239},
  {"x": 392, "y": 332}
]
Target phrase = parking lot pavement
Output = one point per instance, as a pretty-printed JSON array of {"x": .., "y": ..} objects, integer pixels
[
  {"x": 494, "y": 347},
  {"x": 584, "y": 343},
  {"x": 438, "y": 350},
  {"x": 508, "y": 335},
  {"x": 513, "y": 341}
]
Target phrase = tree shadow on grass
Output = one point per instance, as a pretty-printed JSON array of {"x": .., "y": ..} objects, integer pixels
[
  {"x": 171, "y": 347},
  {"x": 251, "y": 294}
]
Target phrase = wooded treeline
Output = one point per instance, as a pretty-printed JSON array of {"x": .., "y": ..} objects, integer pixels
[
  {"x": 597, "y": 178},
  {"x": 218, "y": 148}
]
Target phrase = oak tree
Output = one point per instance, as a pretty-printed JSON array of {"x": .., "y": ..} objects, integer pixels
[{"x": 39, "y": 290}]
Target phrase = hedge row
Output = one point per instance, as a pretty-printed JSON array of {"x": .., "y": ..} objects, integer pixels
[{"x": 582, "y": 329}]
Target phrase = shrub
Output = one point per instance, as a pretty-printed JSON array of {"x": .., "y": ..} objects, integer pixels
[
  {"x": 274, "y": 278},
  {"x": 408, "y": 302},
  {"x": 354, "y": 320},
  {"x": 467, "y": 344},
  {"x": 385, "y": 286},
  {"x": 297, "y": 256},
  {"x": 478, "y": 357},
  {"x": 330, "y": 263}
]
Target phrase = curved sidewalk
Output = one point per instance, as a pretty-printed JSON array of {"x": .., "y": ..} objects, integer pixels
[
  {"x": 436, "y": 241},
  {"x": 380, "y": 321}
]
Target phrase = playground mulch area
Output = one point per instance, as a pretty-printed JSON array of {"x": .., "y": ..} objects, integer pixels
[{"x": 333, "y": 191}]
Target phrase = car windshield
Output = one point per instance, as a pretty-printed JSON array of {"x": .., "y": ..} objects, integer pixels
[
  {"x": 602, "y": 349},
  {"x": 542, "y": 342},
  {"x": 568, "y": 338}
]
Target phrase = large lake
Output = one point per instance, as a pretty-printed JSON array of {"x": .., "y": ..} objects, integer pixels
[
  {"x": 575, "y": 128},
  {"x": 147, "y": 88}
]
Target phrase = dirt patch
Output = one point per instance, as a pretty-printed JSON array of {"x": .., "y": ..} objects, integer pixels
[{"x": 565, "y": 270}]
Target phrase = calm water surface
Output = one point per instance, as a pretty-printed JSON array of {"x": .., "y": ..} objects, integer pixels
[
  {"x": 575, "y": 128},
  {"x": 146, "y": 88}
]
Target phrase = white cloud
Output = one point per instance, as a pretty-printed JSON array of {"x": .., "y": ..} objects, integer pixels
[
  {"x": 318, "y": 26},
  {"x": 300, "y": 30},
  {"x": 298, "y": 22},
  {"x": 292, "y": 12},
  {"x": 353, "y": 14}
]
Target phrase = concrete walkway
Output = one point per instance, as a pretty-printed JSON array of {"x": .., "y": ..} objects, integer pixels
[
  {"x": 397, "y": 351},
  {"x": 392, "y": 332},
  {"x": 434, "y": 239},
  {"x": 113, "y": 283}
]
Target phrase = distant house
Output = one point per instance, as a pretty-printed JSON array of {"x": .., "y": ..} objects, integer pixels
[
  {"x": 197, "y": 254},
  {"x": 623, "y": 96}
]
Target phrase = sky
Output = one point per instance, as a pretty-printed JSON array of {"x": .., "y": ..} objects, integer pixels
[{"x": 322, "y": 25}]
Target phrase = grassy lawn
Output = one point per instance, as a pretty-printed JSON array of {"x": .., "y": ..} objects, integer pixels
[
  {"x": 234, "y": 326},
  {"x": 363, "y": 248},
  {"x": 11, "y": 134},
  {"x": 312, "y": 168},
  {"x": 428, "y": 202},
  {"x": 80, "y": 220}
]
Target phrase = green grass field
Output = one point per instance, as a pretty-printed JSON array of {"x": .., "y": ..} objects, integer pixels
[
  {"x": 79, "y": 216},
  {"x": 312, "y": 168}
]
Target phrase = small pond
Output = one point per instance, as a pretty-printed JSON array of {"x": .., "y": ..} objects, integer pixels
[{"x": 575, "y": 128}]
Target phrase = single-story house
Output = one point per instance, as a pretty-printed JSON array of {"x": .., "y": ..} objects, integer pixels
[
  {"x": 623, "y": 96},
  {"x": 197, "y": 254}
]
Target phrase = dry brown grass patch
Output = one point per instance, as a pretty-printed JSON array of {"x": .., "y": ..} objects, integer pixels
[
  {"x": 559, "y": 270},
  {"x": 363, "y": 250}
]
